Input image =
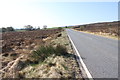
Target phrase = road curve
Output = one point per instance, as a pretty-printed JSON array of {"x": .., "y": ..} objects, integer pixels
[{"x": 100, "y": 54}]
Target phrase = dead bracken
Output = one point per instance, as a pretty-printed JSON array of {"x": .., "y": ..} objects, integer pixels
[{"x": 38, "y": 54}]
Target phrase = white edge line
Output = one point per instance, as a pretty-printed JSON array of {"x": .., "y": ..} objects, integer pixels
[{"x": 83, "y": 64}]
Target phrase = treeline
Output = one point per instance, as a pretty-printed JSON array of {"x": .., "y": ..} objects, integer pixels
[
  {"x": 8, "y": 29},
  {"x": 26, "y": 28}
]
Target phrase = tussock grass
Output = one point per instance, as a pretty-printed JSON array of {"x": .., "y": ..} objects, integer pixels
[{"x": 45, "y": 51}]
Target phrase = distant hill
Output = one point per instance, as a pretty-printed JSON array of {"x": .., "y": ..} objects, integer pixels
[{"x": 111, "y": 28}]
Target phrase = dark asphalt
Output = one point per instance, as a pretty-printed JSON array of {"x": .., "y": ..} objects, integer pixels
[{"x": 100, "y": 54}]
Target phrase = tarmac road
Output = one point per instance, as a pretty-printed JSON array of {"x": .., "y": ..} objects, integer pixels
[{"x": 99, "y": 54}]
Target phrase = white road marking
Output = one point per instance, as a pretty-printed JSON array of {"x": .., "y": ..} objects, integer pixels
[{"x": 83, "y": 64}]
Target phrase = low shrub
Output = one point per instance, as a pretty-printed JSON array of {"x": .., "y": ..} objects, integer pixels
[
  {"x": 82, "y": 28},
  {"x": 60, "y": 28},
  {"x": 60, "y": 50},
  {"x": 45, "y": 51}
]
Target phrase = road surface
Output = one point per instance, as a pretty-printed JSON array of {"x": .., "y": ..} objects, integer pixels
[{"x": 99, "y": 54}]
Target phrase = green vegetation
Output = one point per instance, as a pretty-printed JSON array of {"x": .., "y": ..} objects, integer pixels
[
  {"x": 8, "y": 29},
  {"x": 66, "y": 68},
  {"x": 45, "y": 51},
  {"x": 82, "y": 28},
  {"x": 28, "y": 27},
  {"x": 60, "y": 28},
  {"x": 45, "y": 27},
  {"x": 19, "y": 30}
]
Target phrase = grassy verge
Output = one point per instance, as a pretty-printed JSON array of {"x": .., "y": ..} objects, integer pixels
[
  {"x": 101, "y": 34},
  {"x": 55, "y": 59}
]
